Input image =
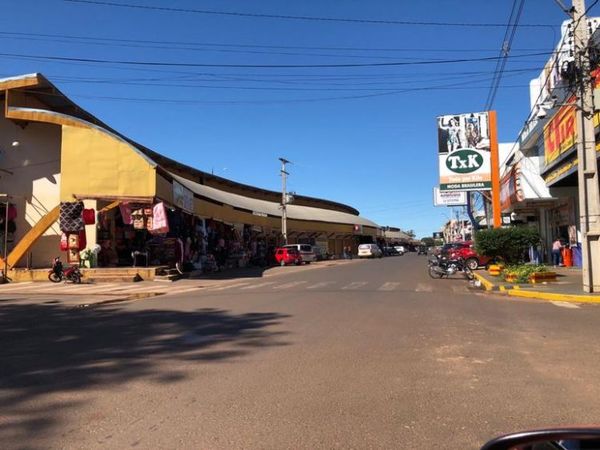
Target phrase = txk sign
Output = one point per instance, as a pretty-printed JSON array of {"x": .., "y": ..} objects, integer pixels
[{"x": 464, "y": 152}]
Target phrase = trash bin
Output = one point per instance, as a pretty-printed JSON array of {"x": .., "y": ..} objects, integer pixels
[
  {"x": 577, "y": 256},
  {"x": 567, "y": 256}
]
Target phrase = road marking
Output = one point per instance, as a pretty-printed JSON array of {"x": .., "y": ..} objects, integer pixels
[
  {"x": 424, "y": 288},
  {"x": 97, "y": 288},
  {"x": 15, "y": 286},
  {"x": 355, "y": 285},
  {"x": 389, "y": 286},
  {"x": 259, "y": 285},
  {"x": 289, "y": 285},
  {"x": 320, "y": 284},
  {"x": 566, "y": 305},
  {"x": 229, "y": 286}
]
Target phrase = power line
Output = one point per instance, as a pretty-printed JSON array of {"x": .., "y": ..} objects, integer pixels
[
  {"x": 191, "y": 45},
  {"x": 265, "y": 102},
  {"x": 302, "y": 18},
  {"x": 507, "y": 41},
  {"x": 263, "y": 66}
]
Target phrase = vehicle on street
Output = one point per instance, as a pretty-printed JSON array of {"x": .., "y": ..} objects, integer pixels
[
  {"x": 422, "y": 250},
  {"x": 390, "y": 251},
  {"x": 400, "y": 249},
  {"x": 369, "y": 251},
  {"x": 57, "y": 273},
  {"x": 440, "y": 266},
  {"x": 306, "y": 252},
  {"x": 285, "y": 256},
  {"x": 466, "y": 251},
  {"x": 572, "y": 438},
  {"x": 319, "y": 253}
]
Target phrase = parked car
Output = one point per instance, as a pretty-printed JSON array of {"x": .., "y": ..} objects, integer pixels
[
  {"x": 400, "y": 249},
  {"x": 390, "y": 251},
  {"x": 319, "y": 253},
  {"x": 466, "y": 251},
  {"x": 369, "y": 251},
  {"x": 285, "y": 256},
  {"x": 306, "y": 252}
]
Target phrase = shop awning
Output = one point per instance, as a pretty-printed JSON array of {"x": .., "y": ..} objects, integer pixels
[
  {"x": 263, "y": 207},
  {"x": 523, "y": 184}
]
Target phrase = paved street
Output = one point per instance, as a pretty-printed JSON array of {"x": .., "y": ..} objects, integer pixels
[{"x": 369, "y": 354}]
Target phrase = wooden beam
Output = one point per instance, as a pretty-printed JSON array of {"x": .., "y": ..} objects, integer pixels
[{"x": 31, "y": 237}]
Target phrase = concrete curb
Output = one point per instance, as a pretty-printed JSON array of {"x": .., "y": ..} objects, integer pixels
[
  {"x": 517, "y": 291},
  {"x": 554, "y": 297}
]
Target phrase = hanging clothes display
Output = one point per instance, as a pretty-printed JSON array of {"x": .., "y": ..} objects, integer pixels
[
  {"x": 160, "y": 224},
  {"x": 71, "y": 220},
  {"x": 64, "y": 242},
  {"x": 89, "y": 216},
  {"x": 12, "y": 212},
  {"x": 137, "y": 219},
  {"x": 125, "y": 209}
]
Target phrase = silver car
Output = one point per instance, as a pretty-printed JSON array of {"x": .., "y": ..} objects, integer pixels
[
  {"x": 306, "y": 252},
  {"x": 369, "y": 251}
]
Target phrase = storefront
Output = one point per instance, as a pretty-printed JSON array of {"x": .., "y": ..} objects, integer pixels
[{"x": 147, "y": 209}]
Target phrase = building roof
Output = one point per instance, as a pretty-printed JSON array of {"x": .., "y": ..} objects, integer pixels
[
  {"x": 263, "y": 207},
  {"x": 38, "y": 85}
]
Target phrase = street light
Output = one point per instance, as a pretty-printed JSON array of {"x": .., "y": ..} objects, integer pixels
[
  {"x": 284, "y": 199},
  {"x": 5, "y": 249}
]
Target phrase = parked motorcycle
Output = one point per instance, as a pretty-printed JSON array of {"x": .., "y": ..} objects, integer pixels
[
  {"x": 440, "y": 267},
  {"x": 58, "y": 274}
]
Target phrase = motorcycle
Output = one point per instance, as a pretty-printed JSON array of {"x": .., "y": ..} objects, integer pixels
[
  {"x": 58, "y": 274},
  {"x": 443, "y": 267}
]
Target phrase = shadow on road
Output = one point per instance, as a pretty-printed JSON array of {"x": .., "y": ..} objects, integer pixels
[{"x": 50, "y": 349}]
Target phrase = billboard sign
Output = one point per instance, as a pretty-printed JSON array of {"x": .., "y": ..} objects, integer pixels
[
  {"x": 183, "y": 197},
  {"x": 449, "y": 198},
  {"x": 464, "y": 152},
  {"x": 560, "y": 133}
]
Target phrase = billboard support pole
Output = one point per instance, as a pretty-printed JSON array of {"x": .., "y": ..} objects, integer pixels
[
  {"x": 495, "y": 163},
  {"x": 587, "y": 168}
]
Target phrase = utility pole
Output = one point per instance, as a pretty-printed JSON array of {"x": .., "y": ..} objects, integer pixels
[
  {"x": 587, "y": 170},
  {"x": 284, "y": 175}
]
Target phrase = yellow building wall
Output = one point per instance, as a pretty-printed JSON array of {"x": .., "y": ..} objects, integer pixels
[{"x": 96, "y": 164}]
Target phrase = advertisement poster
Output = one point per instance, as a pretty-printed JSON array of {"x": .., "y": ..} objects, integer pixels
[
  {"x": 560, "y": 133},
  {"x": 183, "y": 197},
  {"x": 464, "y": 152},
  {"x": 449, "y": 198}
]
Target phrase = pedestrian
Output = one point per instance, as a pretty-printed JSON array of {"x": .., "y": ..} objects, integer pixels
[
  {"x": 556, "y": 248},
  {"x": 350, "y": 252}
]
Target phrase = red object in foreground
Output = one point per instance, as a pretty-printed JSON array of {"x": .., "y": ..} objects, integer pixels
[
  {"x": 567, "y": 255},
  {"x": 466, "y": 251},
  {"x": 285, "y": 256}
]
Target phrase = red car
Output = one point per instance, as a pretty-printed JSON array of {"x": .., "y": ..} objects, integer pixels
[
  {"x": 288, "y": 255},
  {"x": 466, "y": 251}
]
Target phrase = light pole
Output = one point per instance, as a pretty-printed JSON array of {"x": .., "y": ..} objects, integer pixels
[
  {"x": 587, "y": 170},
  {"x": 5, "y": 248},
  {"x": 284, "y": 175}
]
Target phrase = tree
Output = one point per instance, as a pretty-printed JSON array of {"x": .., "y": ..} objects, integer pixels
[
  {"x": 510, "y": 244},
  {"x": 428, "y": 241},
  {"x": 411, "y": 233}
]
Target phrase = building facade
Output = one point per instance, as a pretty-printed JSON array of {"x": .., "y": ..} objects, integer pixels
[{"x": 54, "y": 157}]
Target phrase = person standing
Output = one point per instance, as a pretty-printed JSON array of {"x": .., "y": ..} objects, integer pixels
[{"x": 556, "y": 248}]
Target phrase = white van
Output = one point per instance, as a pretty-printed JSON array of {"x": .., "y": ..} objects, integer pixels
[
  {"x": 306, "y": 252},
  {"x": 369, "y": 251}
]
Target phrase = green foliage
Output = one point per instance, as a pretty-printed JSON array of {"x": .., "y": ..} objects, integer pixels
[
  {"x": 508, "y": 244},
  {"x": 523, "y": 271},
  {"x": 427, "y": 241}
]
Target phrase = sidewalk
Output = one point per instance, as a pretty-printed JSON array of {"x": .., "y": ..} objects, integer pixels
[
  {"x": 105, "y": 293},
  {"x": 567, "y": 287}
]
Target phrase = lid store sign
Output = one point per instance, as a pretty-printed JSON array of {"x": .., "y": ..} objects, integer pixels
[{"x": 464, "y": 157}]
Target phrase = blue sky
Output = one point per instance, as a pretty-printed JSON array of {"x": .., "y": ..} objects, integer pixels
[{"x": 351, "y": 135}]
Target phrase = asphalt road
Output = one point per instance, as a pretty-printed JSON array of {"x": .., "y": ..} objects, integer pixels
[{"x": 369, "y": 354}]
